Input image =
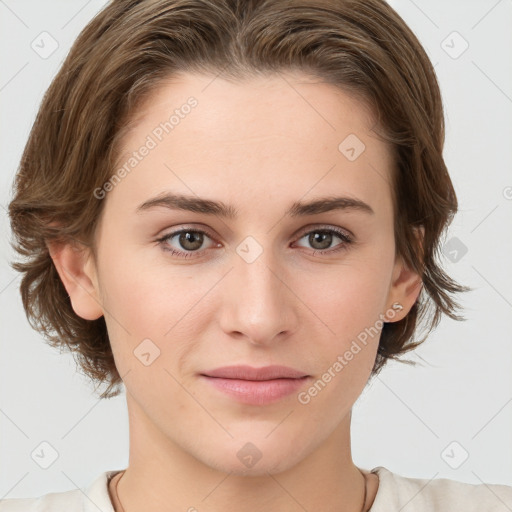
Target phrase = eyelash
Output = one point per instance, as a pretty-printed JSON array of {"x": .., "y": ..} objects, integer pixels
[{"x": 347, "y": 241}]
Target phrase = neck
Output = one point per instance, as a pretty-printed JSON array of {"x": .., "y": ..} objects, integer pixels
[{"x": 161, "y": 475}]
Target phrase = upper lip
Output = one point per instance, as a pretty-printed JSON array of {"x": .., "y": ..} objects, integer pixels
[{"x": 244, "y": 372}]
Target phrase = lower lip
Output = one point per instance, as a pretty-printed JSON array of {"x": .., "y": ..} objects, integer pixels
[{"x": 257, "y": 392}]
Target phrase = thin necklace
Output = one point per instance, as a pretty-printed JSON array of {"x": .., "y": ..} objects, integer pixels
[
  {"x": 363, "y": 509},
  {"x": 117, "y": 494},
  {"x": 122, "y": 509}
]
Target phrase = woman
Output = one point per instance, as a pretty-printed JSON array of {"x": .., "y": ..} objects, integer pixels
[{"x": 233, "y": 209}]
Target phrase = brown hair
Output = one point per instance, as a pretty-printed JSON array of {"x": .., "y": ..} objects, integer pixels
[{"x": 361, "y": 46}]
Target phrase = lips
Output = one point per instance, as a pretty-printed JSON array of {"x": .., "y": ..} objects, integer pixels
[
  {"x": 256, "y": 386},
  {"x": 249, "y": 373}
]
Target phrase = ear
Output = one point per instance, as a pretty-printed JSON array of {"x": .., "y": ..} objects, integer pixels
[
  {"x": 75, "y": 265},
  {"x": 406, "y": 284}
]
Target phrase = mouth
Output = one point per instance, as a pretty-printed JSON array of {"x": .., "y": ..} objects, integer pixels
[
  {"x": 256, "y": 386},
  {"x": 245, "y": 372}
]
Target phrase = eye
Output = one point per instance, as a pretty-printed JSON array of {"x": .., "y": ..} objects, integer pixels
[
  {"x": 321, "y": 239},
  {"x": 188, "y": 241}
]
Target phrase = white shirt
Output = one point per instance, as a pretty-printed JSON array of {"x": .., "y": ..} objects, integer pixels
[{"x": 396, "y": 493}]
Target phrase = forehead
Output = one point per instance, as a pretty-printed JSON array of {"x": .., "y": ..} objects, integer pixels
[
  {"x": 282, "y": 134},
  {"x": 257, "y": 105}
]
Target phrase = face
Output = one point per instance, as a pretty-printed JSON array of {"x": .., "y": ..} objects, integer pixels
[{"x": 262, "y": 281}]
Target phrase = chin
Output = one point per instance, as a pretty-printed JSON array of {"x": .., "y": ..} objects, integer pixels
[
  {"x": 254, "y": 458},
  {"x": 263, "y": 467}
]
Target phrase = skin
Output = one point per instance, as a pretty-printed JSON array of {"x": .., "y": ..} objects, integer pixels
[{"x": 257, "y": 145}]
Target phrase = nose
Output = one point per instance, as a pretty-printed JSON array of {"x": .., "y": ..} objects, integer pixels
[{"x": 257, "y": 303}]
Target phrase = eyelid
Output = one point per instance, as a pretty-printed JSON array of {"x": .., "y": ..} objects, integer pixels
[
  {"x": 163, "y": 241},
  {"x": 303, "y": 231},
  {"x": 187, "y": 227},
  {"x": 324, "y": 227},
  {"x": 345, "y": 235}
]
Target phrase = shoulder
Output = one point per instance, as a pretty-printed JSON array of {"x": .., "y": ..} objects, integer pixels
[
  {"x": 396, "y": 492},
  {"x": 95, "y": 498}
]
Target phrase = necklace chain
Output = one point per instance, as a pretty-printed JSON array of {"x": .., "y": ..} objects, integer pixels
[
  {"x": 363, "y": 508},
  {"x": 117, "y": 494},
  {"x": 122, "y": 509}
]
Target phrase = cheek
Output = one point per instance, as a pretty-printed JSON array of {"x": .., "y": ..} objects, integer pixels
[
  {"x": 348, "y": 298},
  {"x": 347, "y": 303},
  {"x": 147, "y": 296},
  {"x": 140, "y": 291},
  {"x": 162, "y": 303},
  {"x": 346, "y": 341}
]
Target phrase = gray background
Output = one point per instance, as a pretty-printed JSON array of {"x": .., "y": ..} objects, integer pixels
[{"x": 448, "y": 417}]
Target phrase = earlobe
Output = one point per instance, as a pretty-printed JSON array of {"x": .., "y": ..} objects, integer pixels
[
  {"x": 405, "y": 291},
  {"x": 77, "y": 272},
  {"x": 406, "y": 285}
]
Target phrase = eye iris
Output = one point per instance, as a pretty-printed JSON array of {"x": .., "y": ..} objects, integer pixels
[
  {"x": 325, "y": 240},
  {"x": 196, "y": 239}
]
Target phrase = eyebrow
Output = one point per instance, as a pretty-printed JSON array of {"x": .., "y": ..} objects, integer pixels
[{"x": 211, "y": 207}]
